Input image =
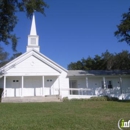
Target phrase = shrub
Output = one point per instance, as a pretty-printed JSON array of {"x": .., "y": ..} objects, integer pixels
[
  {"x": 103, "y": 98},
  {"x": 65, "y": 99}
]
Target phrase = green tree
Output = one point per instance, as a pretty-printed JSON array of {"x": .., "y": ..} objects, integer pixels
[
  {"x": 108, "y": 60},
  {"x": 75, "y": 65},
  {"x": 105, "y": 61},
  {"x": 123, "y": 29},
  {"x": 15, "y": 55},
  {"x": 97, "y": 63},
  {"x": 90, "y": 63},
  {"x": 122, "y": 61},
  {"x": 87, "y": 63},
  {"x": 3, "y": 57},
  {"x": 8, "y": 18}
]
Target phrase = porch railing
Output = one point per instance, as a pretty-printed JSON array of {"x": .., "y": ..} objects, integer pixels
[
  {"x": 93, "y": 91},
  {"x": 83, "y": 92},
  {"x": 77, "y": 91}
]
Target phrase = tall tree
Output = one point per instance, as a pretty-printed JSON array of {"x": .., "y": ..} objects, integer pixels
[
  {"x": 3, "y": 57},
  {"x": 105, "y": 61},
  {"x": 8, "y": 18},
  {"x": 122, "y": 61},
  {"x": 15, "y": 55},
  {"x": 108, "y": 60},
  {"x": 123, "y": 29}
]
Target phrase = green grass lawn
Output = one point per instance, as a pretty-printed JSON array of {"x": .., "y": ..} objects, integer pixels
[{"x": 69, "y": 115}]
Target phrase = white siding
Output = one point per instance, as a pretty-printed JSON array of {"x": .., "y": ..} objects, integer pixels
[
  {"x": 33, "y": 65},
  {"x": 126, "y": 85},
  {"x": 64, "y": 85},
  {"x": 81, "y": 81},
  {"x": 94, "y": 82}
]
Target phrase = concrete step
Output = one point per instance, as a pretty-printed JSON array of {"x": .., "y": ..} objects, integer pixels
[{"x": 31, "y": 99}]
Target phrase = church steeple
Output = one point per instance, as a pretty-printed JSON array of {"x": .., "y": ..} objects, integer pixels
[
  {"x": 33, "y": 27},
  {"x": 33, "y": 38}
]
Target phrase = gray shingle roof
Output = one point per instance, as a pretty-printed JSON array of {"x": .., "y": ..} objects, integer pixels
[{"x": 97, "y": 72}]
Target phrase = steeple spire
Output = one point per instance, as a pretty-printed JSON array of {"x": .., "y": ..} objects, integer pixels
[
  {"x": 33, "y": 38},
  {"x": 33, "y": 27}
]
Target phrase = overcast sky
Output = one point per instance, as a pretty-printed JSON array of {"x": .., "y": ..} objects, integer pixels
[{"x": 74, "y": 29}]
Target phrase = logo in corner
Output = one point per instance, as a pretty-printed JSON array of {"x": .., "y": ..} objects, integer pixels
[{"x": 123, "y": 124}]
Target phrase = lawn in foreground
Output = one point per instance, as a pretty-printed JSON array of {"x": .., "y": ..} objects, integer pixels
[{"x": 69, "y": 115}]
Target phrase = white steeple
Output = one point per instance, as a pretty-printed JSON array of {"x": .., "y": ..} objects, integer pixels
[
  {"x": 33, "y": 27},
  {"x": 33, "y": 38}
]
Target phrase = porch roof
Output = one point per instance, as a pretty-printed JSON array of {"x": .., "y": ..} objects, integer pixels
[{"x": 97, "y": 72}]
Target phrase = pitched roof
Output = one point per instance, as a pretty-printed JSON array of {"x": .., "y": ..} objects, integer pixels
[
  {"x": 97, "y": 72},
  {"x": 26, "y": 55}
]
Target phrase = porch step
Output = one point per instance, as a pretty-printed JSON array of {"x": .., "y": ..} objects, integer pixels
[{"x": 31, "y": 99}]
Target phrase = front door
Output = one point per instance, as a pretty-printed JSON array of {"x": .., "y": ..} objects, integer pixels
[
  {"x": 33, "y": 86},
  {"x": 73, "y": 84},
  {"x": 16, "y": 87},
  {"x": 48, "y": 87}
]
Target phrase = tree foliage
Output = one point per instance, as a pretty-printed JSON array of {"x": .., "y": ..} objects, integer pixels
[
  {"x": 123, "y": 29},
  {"x": 4, "y": 57},
  {"x": 15, "y": 55},
  {"x": 105, "y": 61},
  {"x": 8, "y": 18}
]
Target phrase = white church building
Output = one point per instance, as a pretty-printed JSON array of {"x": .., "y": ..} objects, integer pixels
[{"x": 32, "y": 74}]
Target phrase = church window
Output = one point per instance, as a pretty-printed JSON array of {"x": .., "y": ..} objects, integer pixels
[
  {"x": 49, "y": 80},
  {"x": 110, "y": 84},
  {"x": 15, "y": 80}
]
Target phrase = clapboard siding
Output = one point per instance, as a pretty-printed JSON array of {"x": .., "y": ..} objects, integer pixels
[{"x": 31, "y": 65}]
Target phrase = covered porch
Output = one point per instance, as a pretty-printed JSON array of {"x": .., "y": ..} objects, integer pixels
[
  {"x": 93, "y": 86},
  {"x": 24, "y": 86}
]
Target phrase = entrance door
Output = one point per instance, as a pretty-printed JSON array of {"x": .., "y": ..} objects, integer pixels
[
  {"x": 48, "y": 87},
  {"x": 73, "y": 84},
  {"x": 13, "y": 86},
  {"x": 33, "y": 86},
  {"x": 16, "y": 87}
]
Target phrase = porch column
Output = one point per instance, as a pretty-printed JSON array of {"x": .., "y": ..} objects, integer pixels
[
  {"x": 43, "y": 94},
  {"x": 86, "y": 82},
  {"x": 104, "y": 82},
  {"x": 22, "y": 83},
  {"x": 59, "y": 85},
  {"x": 121, "y": 85},
  {"x": 4, "y": 91}
]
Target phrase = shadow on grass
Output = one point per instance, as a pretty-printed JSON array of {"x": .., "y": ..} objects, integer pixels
[{"x": 124, "y": 101}]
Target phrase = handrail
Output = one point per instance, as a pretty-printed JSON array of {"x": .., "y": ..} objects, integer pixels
[{"x": 73, "y": 89}]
